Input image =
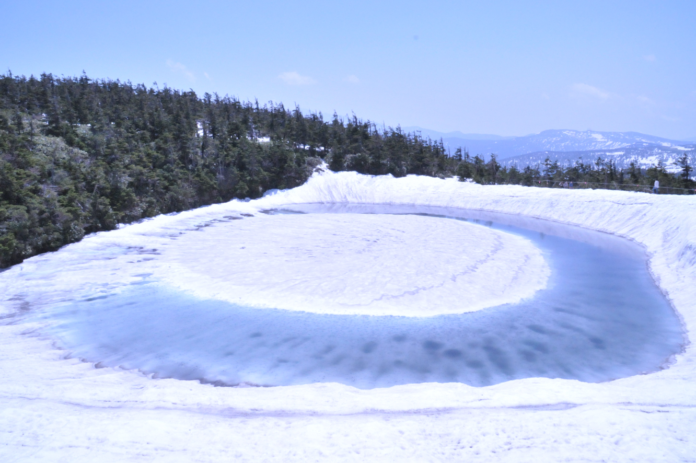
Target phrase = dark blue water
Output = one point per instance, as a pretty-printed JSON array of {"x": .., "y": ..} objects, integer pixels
[{"x": 601, "y": 318}]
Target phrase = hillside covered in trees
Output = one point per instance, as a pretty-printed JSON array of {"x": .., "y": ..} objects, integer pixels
[{"x": 79, "y": 155}]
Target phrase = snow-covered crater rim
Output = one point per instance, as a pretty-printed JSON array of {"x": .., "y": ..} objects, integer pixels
[{"x": 73, "y": 394}]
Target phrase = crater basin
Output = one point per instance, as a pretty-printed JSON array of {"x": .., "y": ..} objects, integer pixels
[{"x": 595, "y": 315}]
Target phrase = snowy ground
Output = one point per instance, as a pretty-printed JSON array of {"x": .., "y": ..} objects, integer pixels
[
  {"x": 52, "y": 408},
  {"x": 344, "y": 264}
]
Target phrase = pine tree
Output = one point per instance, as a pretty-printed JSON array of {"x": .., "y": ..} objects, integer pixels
[{"x": 686, "y": 170}]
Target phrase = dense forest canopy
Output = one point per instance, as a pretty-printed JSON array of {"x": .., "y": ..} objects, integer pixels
[{"x": 79, "y": 155}]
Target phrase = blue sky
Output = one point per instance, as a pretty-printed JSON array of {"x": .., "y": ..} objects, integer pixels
[{"x": 502, "y": 67}]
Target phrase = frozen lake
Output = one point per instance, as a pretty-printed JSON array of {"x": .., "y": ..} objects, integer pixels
[{"x": 601, "y": 317}]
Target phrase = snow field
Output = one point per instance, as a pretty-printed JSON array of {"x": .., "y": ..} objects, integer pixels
[
  {"x": 55, "y": 408},
  {"x": 345, "y": 264}
]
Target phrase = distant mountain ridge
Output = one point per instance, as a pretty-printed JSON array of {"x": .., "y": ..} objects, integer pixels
[
  {"x": 644, "y": 155},
  {"x": 435, "y": 135},
  {"x": 564, "y": 141},
  {"x": 569, "y": 146}
]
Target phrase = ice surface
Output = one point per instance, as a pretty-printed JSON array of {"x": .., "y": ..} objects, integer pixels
[
  {"x": 601, "y": 319},
  {"x": 57, "y": 409}
]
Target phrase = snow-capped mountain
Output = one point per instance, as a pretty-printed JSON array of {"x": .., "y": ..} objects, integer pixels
[
  {"x": 644, "y": 155},
  {"x": 553, "y": 141}
]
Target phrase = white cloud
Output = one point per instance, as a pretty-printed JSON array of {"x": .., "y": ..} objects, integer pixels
[
  {"x": 669, "y": 118},
  {"x": 649, "y": 58},
  {"x": 294, "y": 78},
  {"x": 545, "y": 96},
  {"x": 351, "y": 79},
  {"x": 644, "y": 99},
  {"x": 181, "y": 69},
  {"x": 585, "y": 91},
  {"x": 207, "y": 76}
]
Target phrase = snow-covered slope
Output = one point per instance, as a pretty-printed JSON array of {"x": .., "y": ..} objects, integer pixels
[{"x": 58, "y": 409}]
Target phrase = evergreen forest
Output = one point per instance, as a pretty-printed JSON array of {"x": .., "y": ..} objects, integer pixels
[{"x": 79, "y": 155}]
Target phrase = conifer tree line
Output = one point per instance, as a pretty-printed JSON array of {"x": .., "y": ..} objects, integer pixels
[
  {"x": 79, "y": 155},
  {"x": 599, "y": 173}
]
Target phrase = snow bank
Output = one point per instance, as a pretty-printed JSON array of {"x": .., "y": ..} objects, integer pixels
[{"x": 53, "y": 408}]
